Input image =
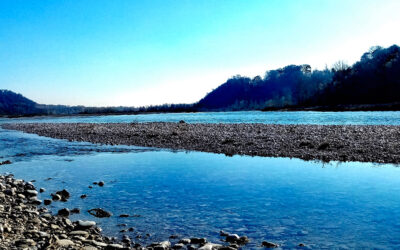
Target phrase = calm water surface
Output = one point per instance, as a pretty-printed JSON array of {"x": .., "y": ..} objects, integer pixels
[
  {"x": 288, "y": 201},
  {"x": 298, "y": 117}
]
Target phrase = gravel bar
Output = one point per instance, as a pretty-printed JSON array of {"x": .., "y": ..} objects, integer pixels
[{"x": 364, "y": 143}]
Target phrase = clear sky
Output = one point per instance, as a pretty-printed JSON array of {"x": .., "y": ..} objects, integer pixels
[{"x": 132, "y": 53}]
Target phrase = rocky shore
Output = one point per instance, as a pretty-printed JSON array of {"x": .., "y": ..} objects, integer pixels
[
  {"x": 365, "y": 143},
  {"x": 25, "y": 223}
]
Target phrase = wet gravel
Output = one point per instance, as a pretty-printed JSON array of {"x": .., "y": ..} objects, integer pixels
[{"x": 364, "y": 143}]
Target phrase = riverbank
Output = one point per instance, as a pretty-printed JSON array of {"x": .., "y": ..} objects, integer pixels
[
  {"x": 26, "y": 224},
  {"x": 367, "y": 143}
]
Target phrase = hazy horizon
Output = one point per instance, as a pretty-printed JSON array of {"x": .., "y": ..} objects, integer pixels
[{"x": 124, "y": 53}]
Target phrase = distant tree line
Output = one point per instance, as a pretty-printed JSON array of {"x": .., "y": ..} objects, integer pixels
[{"x": 373, "y": 81}]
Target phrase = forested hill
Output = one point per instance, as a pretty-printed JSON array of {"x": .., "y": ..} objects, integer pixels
[
  {"x": 375, "y": 79},
  {"x": 12, "y": 103}
]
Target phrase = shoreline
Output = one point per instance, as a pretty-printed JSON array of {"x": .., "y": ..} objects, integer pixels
[
  {"x": 25, "y": 223},
  {"x": 386, "y": 107},
  {"x": 363, "y": 143}
]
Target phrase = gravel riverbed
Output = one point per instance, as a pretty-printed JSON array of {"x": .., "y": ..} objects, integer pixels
[{"x": 364, "y": 143}]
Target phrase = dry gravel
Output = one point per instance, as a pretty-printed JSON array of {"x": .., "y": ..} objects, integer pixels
[{"x": 367, "y": 143}]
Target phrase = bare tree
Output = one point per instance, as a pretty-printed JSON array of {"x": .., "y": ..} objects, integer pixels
[{"x": 340, "y": 66}]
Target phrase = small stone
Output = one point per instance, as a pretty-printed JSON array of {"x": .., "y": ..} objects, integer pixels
[
  {"x": 21, "y": 196},
  {"x": 10, "y": 192},
  {"x": 35, "y": 201},
  {"x": 80, "y": 233},
  {"x": 198, "y": 240},
  {"x": 162, "y": 245},
  {"x": 47, "y": 215},
  {"x": 232, "y": 238},
  {"x": 47, "y": 202},
  {"x": 63, "y": 236},
  {"x": 75, "y": 211},
  {"x": 126, "y": 239},
  {"x": 269, "y": 244},
  {"x": 114, "y": 246},
  {"x": 185, "y": 241},
  {"x": 178, "y": 246},
  {"x": 41, "y": 190},
  {"x": 243, "y": 240},
  {"x": 223, "y": 233},
  {"x": 64, "y": 194},
  {"x": 86, "y": 223},
  {"x": 210, "y": 246},
  {"x": 64, "y": 212},
  {"x": 67, "y": 222},
  {"x": 55, "y": 197},
  {"x": 43, "y": 234},
  {"x": 65, "y": 243},
  {"x": 124, "y": 215},
  {"x": 99, "y": 212},
  {"x": 83, "y": 196},
  {"x": 101, "y": 183},
  {"x": 90, "y": 248},
  {"x": 99, "y": 244}
]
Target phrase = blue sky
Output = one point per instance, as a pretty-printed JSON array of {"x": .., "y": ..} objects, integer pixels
[{"x": 132, "y": 53}]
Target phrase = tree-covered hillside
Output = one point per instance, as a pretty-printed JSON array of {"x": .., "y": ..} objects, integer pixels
[
  {"x": 375, "y": 79},
  {"x": 12, "y": 103}
]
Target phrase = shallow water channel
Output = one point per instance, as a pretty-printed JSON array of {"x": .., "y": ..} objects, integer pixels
[{"x": 287, "y": 201}]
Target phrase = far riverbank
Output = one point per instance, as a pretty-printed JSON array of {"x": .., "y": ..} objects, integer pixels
[{"x": 369, "y": 143}]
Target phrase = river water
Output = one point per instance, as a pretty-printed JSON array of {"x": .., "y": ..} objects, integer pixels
[
  {"x": 298, "y": 117},
  {"x": 287, "y": 201}
]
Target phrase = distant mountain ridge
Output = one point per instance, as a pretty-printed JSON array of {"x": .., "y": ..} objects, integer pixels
[{"x": 372, "y": 83}]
